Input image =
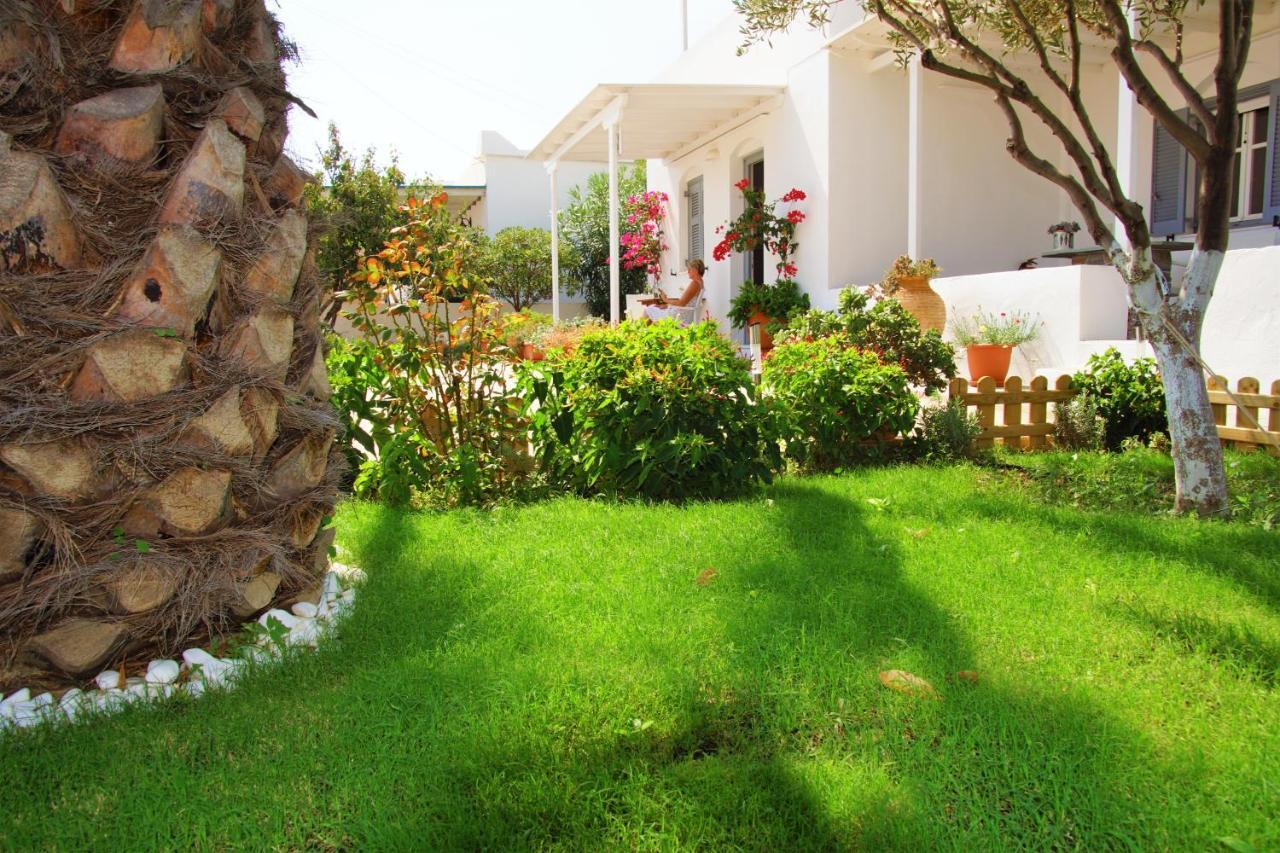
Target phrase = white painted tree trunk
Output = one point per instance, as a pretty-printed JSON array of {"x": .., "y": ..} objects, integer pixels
[{"x": 1197, "y": 452}]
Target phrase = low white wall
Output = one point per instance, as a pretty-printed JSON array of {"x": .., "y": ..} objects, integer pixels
[
  {"x": 1242, "y": 327},
  {"x": 1082, "y": 309}
]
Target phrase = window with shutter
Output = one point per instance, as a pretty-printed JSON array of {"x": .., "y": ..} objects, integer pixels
[
  {"x": 1271, "y": 209},
  {"x": 1168, "y": 184},
  {"x": 694, "y": 194}
]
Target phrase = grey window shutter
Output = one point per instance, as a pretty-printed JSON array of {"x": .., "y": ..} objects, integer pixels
[
  {"x": 1168, "y": 184},
  {"x": 695, "y": 219},
  {"x": 1271, "y": 205}
]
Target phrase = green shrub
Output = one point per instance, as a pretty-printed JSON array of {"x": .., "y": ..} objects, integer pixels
[
  {"x": 831, "y": 397},
  {"x": 945, "y": 433},
  {"x": 650, "y": 410},
  {"x": 1079, "y": 426},
  {"x": 1129, "y": 395},
  {"x": 778, "y": 301},
  {"x": 885, "y": 328}
]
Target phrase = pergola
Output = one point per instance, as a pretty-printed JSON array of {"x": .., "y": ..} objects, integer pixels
[{"x": 658, "y": 121}]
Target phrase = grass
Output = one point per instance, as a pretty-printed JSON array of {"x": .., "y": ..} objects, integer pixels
[{"x": 556, "y": 676}]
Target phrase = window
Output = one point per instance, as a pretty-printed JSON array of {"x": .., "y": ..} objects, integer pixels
[
  {"x": 1255, "y": 182},
  {"x": 693, "y": 192},
  {"x": 1248, "y": 184},
  {"x": 753, "y": 171}
]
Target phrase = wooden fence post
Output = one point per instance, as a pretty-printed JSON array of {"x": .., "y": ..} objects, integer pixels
[
  {"x": 986, "y": 411},
  {"x": 1273, "y": 422},
  {"x": 1013, "y": 409},
  {"x": 1247, "y": 385},
  {"x": 1062, "y": 383},
  {"x": 1219, "y": 383},
  {"x": 1038, "y": 412}
]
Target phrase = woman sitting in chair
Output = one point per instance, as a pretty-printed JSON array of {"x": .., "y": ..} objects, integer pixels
[{"x": 683, "y": 309}]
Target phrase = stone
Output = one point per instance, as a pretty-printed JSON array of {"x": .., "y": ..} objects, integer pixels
[
  {"x": 210, "y": 185},
  {"x": 131, "y": 366},
  {"x": 221, "y": 427},
  {"x": 19, "y": 530},
  {"x": 16, "y": 697},
  {"x": 256, "y": 594},
  {"x": 243, "y": 113},
  {"x": 261, "y": 411},
  {"x": 216, "y": 15},
  {"x": 285, "y": 618},
  {"x": 37, "y": 233},
  {"x": 59, "y": 469},
  {"x": 316, "y": 381},
  {"x": 122, "y": 125},
  {"x": 304, "y": 633},
  {"x": 265, "y": 342},
  {"x": 141, "y": 588},
  {"x": 191, "y": 501},
  {"x": 158, "y": 35},
  {"x": 304, "y": 610},
  {"x": 80, "y": 646},
  {"x": 109, "y": 679},
  {"x": 286, "y": 182},
  {"x": 162, "y": 672},
  {"x": 174, "y": 282},
  {"x": 275, "y": 272},
  {"x": 301, "y": 468},
  {"x": 906, "y": 682}
]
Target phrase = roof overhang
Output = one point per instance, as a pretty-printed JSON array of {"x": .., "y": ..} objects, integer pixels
[{"x": 660, "y": 121}]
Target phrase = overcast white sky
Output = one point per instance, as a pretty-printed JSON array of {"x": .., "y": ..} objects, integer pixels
[{"x": 424, "y": 77}]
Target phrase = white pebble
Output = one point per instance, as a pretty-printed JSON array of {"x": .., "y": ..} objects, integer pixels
[
  {"x": 107, "y": 680},
  {"x": 332, "y": 586},
  {"x": 304, "y": 633},
  {"x": 23, "y": 695},
  {"x": 305, "y": 610},
  {"x": 162, "y": 672},
  {"x": 197, "y": 657},
  {"x": 288, "y": 620}
]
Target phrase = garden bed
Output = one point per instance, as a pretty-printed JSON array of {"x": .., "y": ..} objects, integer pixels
[{"x": 583, "y": 674}]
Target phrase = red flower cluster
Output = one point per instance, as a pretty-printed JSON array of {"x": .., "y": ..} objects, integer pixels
[
  {"x": 742, "y": 184},
  {"x": 794, "y": 195},
  {"x": 761, "y": 224},
  {"x": 795, "y": 217}
]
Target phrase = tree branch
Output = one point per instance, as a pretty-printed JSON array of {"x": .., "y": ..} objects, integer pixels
[
  {"x": 1196, "y": 144},
  {"x": 1195, "y": 101}
]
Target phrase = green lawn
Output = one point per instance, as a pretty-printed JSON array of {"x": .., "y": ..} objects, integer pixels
[{"x": 554, "y": 676}]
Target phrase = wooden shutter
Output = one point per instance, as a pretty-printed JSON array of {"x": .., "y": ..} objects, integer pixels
[
  {"x": 696, "y": 245},
  {"x": 1271, "y": 196},
  {"x": 1168, "y": 184}
]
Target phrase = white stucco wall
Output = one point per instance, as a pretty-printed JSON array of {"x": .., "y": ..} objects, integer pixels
[
  {"x": 1242, "y": 326},
  {"x": 517, "y": 191}
]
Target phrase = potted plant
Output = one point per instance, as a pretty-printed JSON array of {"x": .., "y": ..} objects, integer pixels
[
  {"x": 908, "y": 282},
  {"x": 768, "y": 306},
  {"x": 761, "y": 224},
  {"x": 989, "y": 340},
  {"x": 520, "y": 329},
  {"x": 1064, "y": 234}
]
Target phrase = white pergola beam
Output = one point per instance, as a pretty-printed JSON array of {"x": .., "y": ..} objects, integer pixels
[{"x": 720, "y": 129}]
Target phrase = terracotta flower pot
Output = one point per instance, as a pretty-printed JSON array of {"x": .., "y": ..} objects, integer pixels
[
  {"x": 762, "y": 320},
  {"x": 989, "y": 360},
  {"x": 921, "y": 302},
  {"x": 529, "y": 352}
]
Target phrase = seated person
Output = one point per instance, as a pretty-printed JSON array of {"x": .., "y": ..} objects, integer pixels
[{"x": 661, "y": 307}]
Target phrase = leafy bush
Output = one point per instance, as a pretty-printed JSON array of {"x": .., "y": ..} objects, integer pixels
[
  {"x": 778, "y": 301},
  {"x": 523, "y": 327},
  {"x": 1079, "y": 426},
  {"x": 652, "y": 410},
  {"x": 885, "y": 328},
  {"x": 945, "y": 433},
  {"x": 1128, "y": 394},
  {"x": 360, "y": 388},
  {"x": 444, "y": 417},
  {"x": 517, "y": 264},
  {"x": 832, "y": 396},
  {"x": 584, "y": 224}
]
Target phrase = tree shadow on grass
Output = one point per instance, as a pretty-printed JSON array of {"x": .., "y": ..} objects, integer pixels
[{"x": 1247, "y": 556}]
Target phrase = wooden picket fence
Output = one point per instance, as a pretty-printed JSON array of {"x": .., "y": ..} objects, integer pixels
[{"x": 1027, "y": 413}]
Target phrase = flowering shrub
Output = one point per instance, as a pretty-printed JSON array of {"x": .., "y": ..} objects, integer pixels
[
  {"x": 442, "y": 409},
  {"x": 760, "y": 224},
  {"x": 831, "y": 397},
  {"x": 642, "y": 247},
  {"x": 885, "y": 328},
  {"x": 1004, "y": 329},
  {"x": 652, "y": 410}
]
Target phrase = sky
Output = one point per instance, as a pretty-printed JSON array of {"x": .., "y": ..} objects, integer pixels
[{"x": 422, "y": 78}]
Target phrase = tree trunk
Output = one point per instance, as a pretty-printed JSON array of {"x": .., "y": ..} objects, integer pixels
[
  {"x": 164, "y": 435},
  {"x": 1197, "y": 452}
]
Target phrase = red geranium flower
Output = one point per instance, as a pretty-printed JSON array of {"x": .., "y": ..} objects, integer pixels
[{"x": 742, "y": 184}]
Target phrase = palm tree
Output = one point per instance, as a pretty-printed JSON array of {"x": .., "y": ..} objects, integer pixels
[{"x": 165, "y": 443}]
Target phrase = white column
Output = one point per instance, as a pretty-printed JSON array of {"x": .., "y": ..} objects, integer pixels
[
  {"x": 914, "y": 139},
  {"x": 555, "y": 243},
  {"x": 615, "y": 250}
]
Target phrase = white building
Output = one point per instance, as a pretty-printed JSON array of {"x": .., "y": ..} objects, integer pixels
[{"x": 901, "y": 161}]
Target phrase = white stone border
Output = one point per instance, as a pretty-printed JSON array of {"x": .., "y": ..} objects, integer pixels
[{"x": 203, "y": 671}]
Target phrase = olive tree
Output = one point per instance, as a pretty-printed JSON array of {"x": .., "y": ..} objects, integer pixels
[
  {"x": 975, "y": 41},
  {"x": 516, "y": 262}
]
